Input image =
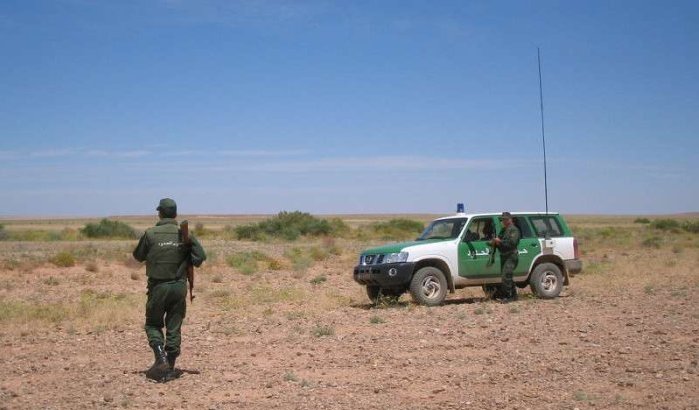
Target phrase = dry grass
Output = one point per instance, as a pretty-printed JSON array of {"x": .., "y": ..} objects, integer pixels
[{"x": 106, "y": 287}]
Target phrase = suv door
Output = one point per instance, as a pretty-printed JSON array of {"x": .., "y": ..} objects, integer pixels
[
  {"x": 474, "y": 251},
  {"x": 529, "y": 246}
]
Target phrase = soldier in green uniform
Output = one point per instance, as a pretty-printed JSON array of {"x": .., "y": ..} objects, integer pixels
[
  {"x": 507, "y": 241},
  {"x": 166, "y": 260}
]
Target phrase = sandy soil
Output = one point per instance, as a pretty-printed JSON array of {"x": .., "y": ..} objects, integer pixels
[{"x": 624, "y": 335}]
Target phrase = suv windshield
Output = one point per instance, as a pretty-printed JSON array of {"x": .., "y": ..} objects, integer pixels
[{"x": 443, "y": 229}]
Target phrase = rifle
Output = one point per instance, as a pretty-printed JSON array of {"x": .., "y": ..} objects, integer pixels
[
  {"x": 187, "y": 241},
  {"x": 491, "y": 261}
]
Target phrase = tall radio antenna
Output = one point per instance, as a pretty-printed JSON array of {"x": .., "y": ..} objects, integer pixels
[{"x": 543, "y": 136}]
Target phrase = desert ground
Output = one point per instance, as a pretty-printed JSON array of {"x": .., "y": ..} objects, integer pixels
[{"x": 293, "y": 331}]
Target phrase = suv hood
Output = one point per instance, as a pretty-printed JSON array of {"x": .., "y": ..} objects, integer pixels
[{"x": 397, "y": 247}]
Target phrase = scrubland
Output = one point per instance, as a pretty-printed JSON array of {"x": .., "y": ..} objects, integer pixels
[{"x": 278, "y": 322}]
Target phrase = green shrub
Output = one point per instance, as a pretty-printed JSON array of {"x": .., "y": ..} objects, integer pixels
[
  {"x": 92, "y": 266},
  {"x": 108, "y": 229},
  {"x": 63, "y": 259},
  {"x": 300, "y": 261},
  {"x": 35, "y": 235},
  {"x": 274, "y": 264},
  {"x": 608, "y": 232},
  {"x": 323, "y": 330},
  {"x": 290, "y": 226},
  {"x": 399, "y": 228},
  {"x": 3, "y": 233},
  {"x": 338, "y": 227},
  {"x": 51, "y": 281},
  {"x": 375, "y": 320},
  {"x": 318, "y": 280},
  {"x": 691, "y": 226},
  {"x": 652, "y": 242},
  {"x": 25, "y": 312},
  {"x": 11, "y": 264},
  {"x": 641, "y": 221},
  {"x": 318, "y": 254},
  {"x": 247, "y": 263},
  {"x": 290, "y": 377},
  {"x": 665, "y": 224}
]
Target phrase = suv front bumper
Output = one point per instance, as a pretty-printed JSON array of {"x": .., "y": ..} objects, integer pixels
[{"x": 384, "y": 275}]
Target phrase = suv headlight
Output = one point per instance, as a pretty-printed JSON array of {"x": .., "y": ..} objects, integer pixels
[{"x": 395, "y": 257}]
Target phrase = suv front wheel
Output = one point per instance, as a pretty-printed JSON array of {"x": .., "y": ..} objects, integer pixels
[
  {"x": 546, "y": 281},
  {"x": 375, "y": 294},
  {"x": 428, "y": 286}
]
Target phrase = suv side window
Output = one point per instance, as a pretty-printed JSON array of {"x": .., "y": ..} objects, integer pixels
[
  {"x": 523, "y": 226},
  {"x": 480, "y": 229},
  {"x": 546, "y": 225}
]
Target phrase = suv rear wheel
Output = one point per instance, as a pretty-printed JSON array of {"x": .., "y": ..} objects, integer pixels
[
  {"x": 428, "y": 286},
  {"x": 546, "y": 281}
]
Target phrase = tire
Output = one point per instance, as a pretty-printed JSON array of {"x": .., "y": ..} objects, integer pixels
[
  {"x": 493, "y": 291},
  {"x": 428, "y": 286},
  {"x": 546, "y": 281},
  {"x": 375, "y": 293}
]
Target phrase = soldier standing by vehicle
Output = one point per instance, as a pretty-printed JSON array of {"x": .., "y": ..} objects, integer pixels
[
  {"x": 507, "y": 241},
  {"x": 167, "y": 259}
]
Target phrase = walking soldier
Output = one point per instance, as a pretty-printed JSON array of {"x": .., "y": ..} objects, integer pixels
[{"x": 167, "y": 258}]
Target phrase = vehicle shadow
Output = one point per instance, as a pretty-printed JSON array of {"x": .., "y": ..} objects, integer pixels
[
  {"x": 402, "y": 304},
  {"x": 466, "y": 301}
]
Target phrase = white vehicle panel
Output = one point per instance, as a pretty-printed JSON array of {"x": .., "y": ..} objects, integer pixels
[{"x": 446, "y": 251}]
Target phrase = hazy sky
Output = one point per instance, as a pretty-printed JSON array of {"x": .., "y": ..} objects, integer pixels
[{"x": 347, "y": 106}]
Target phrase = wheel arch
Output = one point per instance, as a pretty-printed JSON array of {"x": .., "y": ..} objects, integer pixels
[
  {"x": 556, "y": 260},
  {"x": 439, "y": 264}
]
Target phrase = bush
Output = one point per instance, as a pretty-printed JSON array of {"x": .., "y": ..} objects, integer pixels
[
  {"x": 323, "y": 330},
  {"x": 318, "y": 254},
  {"x": 108, "y": 229},
  {"x": 398, "y": 228},
  {"x": 63, "y": 259},
  {"x": 200, "y": 231},
  {"x": 641, "y": 221},
  {"x": 689, "y": 226},
  {"x": 289, "y": 226},
  {"x": 92, "y": 266},
  {"x": 665, "y": 224},
  {"x": 318, "y": 280},
  {"x": 3, "y": 233},
  {"x": 652, "y": 242},
  {"x": 300, "y": 261},
  {"x": 247, "y": 263},
  {"x": 51, "y": 281}
]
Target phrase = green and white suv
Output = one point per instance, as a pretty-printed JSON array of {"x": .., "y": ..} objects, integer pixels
[{"x": 453, "y": 253}]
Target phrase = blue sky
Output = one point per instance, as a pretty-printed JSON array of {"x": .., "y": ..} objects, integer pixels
[{"x": 347, "y": 107}]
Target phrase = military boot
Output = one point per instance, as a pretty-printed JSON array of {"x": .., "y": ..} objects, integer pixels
[
  {"x": 173, "y": 373},
  {"x": 160, "y": 368},
  {"x": 171, "y": 357}
]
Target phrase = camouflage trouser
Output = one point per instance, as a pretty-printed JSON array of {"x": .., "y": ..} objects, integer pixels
[
  {"x": 508, "y": 263},
  {"x": 166, "y": 307}
]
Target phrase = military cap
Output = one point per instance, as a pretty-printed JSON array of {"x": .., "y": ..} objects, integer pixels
[
  {"x": 506, "y": 215},
  {"x": 167, "y": 203}
]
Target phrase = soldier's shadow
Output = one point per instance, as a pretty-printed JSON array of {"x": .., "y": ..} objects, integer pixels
[{"x": 177, "y": 372}]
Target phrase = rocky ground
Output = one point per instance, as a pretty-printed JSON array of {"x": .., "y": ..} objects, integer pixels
[{"x": 624, "y": 334}]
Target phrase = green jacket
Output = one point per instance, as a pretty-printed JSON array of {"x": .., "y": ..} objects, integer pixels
[
  {"x": 164, "y": 253},
  {"x": 509, "y": 240}
]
